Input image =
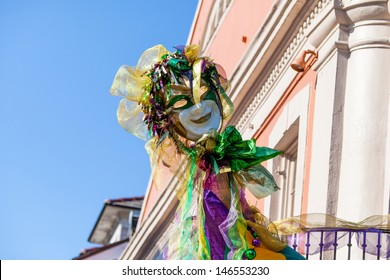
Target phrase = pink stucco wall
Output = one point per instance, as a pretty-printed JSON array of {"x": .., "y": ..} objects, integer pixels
[{"x": 243, "y": 18}]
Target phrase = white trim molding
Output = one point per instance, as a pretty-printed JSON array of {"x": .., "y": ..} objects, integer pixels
[{"x": 250, "y": 70}]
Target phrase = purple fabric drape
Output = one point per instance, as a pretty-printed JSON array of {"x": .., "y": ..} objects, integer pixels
[{"x": 215, "y": 214}]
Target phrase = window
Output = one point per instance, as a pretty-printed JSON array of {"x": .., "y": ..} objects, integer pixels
[
  {"x": 133, "y": 221},
  {"x": 284, "y": 170}
]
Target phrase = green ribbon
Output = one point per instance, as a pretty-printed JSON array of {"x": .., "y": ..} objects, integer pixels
[
  {"x": 240, "y": 154},
  {"x": 186, "y": 246},
  {"x": 178, "y": 65}
]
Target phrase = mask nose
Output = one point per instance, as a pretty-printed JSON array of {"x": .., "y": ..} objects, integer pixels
[{"x": 196, "y": 109}]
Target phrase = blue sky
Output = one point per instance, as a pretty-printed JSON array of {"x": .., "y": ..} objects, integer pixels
[{"x": 62, "y": 152}]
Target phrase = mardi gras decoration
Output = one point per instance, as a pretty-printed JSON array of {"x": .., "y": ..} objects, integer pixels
[{"x": 178, "y": 102}]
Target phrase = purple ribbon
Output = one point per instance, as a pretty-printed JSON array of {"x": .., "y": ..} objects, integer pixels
[{"x": 215, "y": 214}]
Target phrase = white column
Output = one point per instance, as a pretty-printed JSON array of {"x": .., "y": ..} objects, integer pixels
[{"x": 366, "y": 109}]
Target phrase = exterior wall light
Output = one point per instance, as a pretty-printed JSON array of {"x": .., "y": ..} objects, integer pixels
[{"x": 299, "y": 64}]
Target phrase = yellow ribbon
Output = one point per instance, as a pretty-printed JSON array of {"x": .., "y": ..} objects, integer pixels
[
  {"x": 191, "y": 53},
  {"x": 197, "y": 72}
]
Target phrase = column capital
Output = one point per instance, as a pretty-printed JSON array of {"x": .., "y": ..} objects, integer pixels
[
  {"x": 367, "y": 23},
  {"x": 349, "y": 12}
]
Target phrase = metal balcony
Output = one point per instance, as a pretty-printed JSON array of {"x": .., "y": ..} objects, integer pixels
[{"x": 341, "y": 243}]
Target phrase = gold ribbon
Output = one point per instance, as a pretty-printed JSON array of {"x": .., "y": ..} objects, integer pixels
[
  {"x": 197, "y": 72},
  {"x": 191, "y": 53}
]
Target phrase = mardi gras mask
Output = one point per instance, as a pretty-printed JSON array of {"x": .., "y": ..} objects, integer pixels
[
  {"x": 170, "y": 94},
  {"x": 170, "y": 98}
]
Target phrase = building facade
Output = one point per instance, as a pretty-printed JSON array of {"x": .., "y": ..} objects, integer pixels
[
  {"x": 113, "y": 229},
  {"x": 329, "y": 114}
]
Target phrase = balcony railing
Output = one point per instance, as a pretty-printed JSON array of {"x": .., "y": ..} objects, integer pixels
[{"x": 342, "y": 243}]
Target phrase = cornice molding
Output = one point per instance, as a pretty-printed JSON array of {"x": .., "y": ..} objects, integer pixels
[{"x": 281, "y": 65}]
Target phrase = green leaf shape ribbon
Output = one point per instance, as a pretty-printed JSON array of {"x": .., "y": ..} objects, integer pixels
[{"x": 240, "y": 154}]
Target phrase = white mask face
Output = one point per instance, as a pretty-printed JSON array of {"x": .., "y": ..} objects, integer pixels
[{"x": 200, "y": 119}]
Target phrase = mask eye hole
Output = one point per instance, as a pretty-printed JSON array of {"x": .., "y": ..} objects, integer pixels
[{"x": 180, "y": 103}]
